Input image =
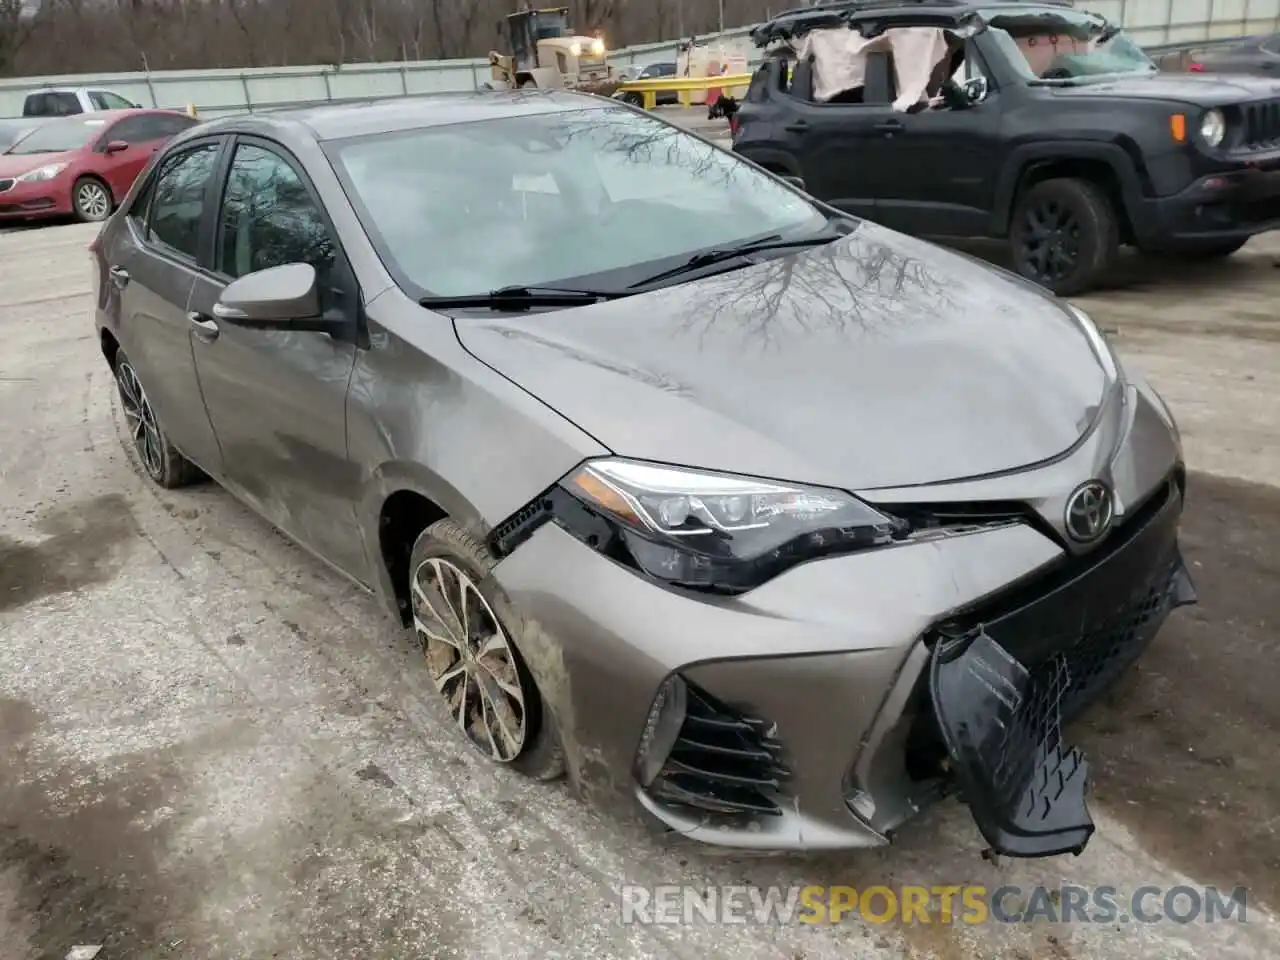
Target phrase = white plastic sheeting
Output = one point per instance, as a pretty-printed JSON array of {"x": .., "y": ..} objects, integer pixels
[{"x": 840, "y": 60}]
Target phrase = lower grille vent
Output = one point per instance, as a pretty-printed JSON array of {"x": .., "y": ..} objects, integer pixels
[{"x": 722, "y": 762}]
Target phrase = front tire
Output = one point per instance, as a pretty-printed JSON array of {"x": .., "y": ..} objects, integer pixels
[
  {"x": 91, "y": 200},
  {"x": 1064, "y": 235},
  {"x": 468, "y": 631},
  {"x": 159, "y": 459}
]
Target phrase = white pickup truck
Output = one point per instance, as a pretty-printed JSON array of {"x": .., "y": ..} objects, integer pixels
[{"x": 40, "y": 106}]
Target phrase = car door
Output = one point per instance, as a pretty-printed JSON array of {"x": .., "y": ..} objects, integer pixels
[
  {"x": 277, "y": 398},
  {"x": 944, "y": 162},
  {"x": 140, "y": 138},
  {"x": 153, "y": 265},
  {"x": 836, "y": 145}
]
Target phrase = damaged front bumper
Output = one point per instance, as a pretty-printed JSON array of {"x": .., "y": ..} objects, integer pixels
[
  {"x": 829, "y": 706},
  {"x": 1002, "y": 687}
]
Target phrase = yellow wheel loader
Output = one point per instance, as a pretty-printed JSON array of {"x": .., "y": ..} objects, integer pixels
[{"x": 546, "y": 53}]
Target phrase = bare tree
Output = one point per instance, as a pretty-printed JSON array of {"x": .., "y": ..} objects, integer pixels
[{"x": 92, "y": 36}]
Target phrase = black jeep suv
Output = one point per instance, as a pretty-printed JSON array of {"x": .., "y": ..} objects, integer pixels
[{"x": 1038, "y": 123}]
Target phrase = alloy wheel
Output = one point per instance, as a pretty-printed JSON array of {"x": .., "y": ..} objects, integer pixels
[
  {"x": 1051, "y": 241},
  {"x": 92, "y": 201},
  {"x": 470, "y": 658},
  {"x": 144, "y": 430}
]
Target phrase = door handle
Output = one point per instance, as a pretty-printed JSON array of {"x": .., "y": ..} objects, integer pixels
[
  {"x": 119, "y": 276},
  {"x": 889, "y": 126},
  {"x": 798, "y": 127},
  {"x": 205, "y": 327}
]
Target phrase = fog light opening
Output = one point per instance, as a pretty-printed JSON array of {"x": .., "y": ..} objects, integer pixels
[{"x": 661, "y": 728}]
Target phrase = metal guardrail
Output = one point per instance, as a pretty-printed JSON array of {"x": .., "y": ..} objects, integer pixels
[
  {"x": 1170, "y": 55},
  {"x": 1167, "y": 56},
  {"x": 684, "y": 87}
]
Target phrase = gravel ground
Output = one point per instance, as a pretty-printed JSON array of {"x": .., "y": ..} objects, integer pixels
[{"x": 214, "y": 748}]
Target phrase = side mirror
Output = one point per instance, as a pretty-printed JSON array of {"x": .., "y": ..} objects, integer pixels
[
  {"x": 797, "y": 182},
  {"x": 115, "y": 146},
  {"x": 282, "y": 297},
  {"x": 975, "y": 89}
]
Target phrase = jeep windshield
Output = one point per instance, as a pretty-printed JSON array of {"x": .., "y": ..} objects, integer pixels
[
  {"x": 592, "y": 199},
  {"x": 1053, "y": 45}
]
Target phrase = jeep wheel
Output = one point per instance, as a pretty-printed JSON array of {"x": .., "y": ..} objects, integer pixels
[{"x": 1064, "y": 235}]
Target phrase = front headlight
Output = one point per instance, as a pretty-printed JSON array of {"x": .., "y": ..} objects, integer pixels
[
  {"x": 1101, "y": 347},
  {"x": 1213, "y": 127},
  {"x": 575, "y": 48},
  {"x": 714, "y": 531},
  {"x": 597, "y": 47},
  {"x": 43, "y": 173}
]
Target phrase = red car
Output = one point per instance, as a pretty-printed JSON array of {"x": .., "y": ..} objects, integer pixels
[{"x": 82, "y": 166}]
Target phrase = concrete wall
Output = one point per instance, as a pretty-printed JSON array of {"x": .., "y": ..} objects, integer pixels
[{"x": 1151, "y": 22}]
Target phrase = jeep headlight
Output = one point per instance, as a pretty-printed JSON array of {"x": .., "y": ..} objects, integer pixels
[
  {"x": 597, "y": 47},
  {"x": 575, "y": 49},
  {"x": 1213, "y": 127}
]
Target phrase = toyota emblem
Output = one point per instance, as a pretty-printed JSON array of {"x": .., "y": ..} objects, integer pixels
[{"x": 1090, "y": 510}]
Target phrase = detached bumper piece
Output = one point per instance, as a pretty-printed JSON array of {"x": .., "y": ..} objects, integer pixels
[
  {"x": 1003, "y": 731},
  {"x": 1004, "y": 680},
  {"x": 721, "y": 762}
]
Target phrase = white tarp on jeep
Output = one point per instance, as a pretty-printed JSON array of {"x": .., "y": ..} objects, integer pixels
[{"x": 839, "y": 60}]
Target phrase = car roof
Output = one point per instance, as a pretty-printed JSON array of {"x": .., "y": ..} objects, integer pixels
[
  {"x": 109, "y": 115},
  {"x": 796, "y": 22},
  {"x": 334, "y": 121}
]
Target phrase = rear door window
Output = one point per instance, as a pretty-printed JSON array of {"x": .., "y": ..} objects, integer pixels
[
  {"x": 177, "y": 200},
  {"x": 65, "y": 104},
  {"x": 149, "y": 127}
]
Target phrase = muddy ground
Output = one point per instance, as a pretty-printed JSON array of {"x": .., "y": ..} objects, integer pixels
[{"x": 211, "y": 747}]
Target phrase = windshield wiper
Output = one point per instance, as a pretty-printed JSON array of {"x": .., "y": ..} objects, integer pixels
[
  {"x": 707, "y": 257},
  {"x": 524, "y": 298}
]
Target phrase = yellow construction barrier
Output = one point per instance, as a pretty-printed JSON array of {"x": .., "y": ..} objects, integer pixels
[{"x": 731, "y": 84}]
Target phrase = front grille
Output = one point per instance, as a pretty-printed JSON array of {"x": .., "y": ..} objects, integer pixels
[
  {"x": 722, "y": 762},
  {"x": 1084, "y": 663},
  {"x": 6, "y": 184},
  {"x": 1078, "y": 627},
  {"x": 1259, "y": 125}
]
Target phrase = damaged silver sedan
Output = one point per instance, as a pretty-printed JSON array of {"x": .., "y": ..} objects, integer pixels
[{"x": 771, "y": 522}]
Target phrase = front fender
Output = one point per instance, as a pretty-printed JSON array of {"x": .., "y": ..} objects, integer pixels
[{"x": 1026, "y": 157}]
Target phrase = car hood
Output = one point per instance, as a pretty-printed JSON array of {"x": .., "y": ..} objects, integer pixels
[
  {"x": 17, "y": 165},
  {"x": 874, "y": 361},
  {"x": 1206, "y": 90}
]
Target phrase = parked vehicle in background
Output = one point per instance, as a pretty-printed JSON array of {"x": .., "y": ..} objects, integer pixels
[
  {"x": 40, "y": 106},
  {"x": 70, "y": 101},
  {"x": 1032, "y": 122},
  {"x": 1257, "y": 56},
  {"x": 649, "y": 72},
  {"x": 771, "y": 522},
  {"x": 547, "y": 52},
  {"x": 82, "y": 166}
]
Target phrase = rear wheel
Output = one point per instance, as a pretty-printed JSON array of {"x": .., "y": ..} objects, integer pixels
[
  {"x": 91, "y": 200},
  {"x": 1064, "y": 235},
  {"x": 159, "y": 459},
  {"x": 468, "y": 631}
]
